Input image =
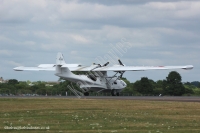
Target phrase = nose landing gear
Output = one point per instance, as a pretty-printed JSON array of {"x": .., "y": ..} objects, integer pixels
[{"x": 114, "y": 92}]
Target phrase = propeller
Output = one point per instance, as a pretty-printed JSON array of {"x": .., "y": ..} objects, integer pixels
[
  {"x": 105, "y": 64},
  {"x": 99, "y": 65},
  {"x": 120, "y": 62}
]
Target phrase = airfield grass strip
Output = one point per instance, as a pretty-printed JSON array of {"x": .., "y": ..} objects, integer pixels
[{"x": 99, "y": 115}]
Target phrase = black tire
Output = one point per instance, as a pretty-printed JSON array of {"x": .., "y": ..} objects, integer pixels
[
  {"x": 113, "y": 92},
  {"x": 117, "y": 93},
  {"x": 86, "y": 94}
]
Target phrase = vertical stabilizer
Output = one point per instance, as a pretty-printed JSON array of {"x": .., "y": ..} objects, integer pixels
[
  {"x": 64, "y": 72},
  {"x": 60, "y": 59}
]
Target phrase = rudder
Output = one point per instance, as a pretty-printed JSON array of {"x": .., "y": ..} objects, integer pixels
[{"x": 60, "y": 59}]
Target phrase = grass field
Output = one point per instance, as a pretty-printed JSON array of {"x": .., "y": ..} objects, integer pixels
[{"x": 98, "y": 116}]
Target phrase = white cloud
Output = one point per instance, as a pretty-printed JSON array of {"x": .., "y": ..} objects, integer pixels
[
  {"x": 192, "y": 9},
  {"x": 163, "y": 5},
  {"x": 41, "y": 34},
  {"x": 165, "y": 53},
  {"x": 13, "y": 63},
  {"x": 73, "y": 52},
  {"x": 5, "y": 52},
  {"x": 181, "y": 9},
  {"x": 24, "y": 32},
  {"x": 160, "y": 32},
  {"x": 4, "y": 39},
  {"x": 55, "y": 47},
  {"x": 79, "y": 38},
  {"x": 149, "y": 62},
  {"x": 29, "y": 43},
  {"x": 74, "y": 10}
]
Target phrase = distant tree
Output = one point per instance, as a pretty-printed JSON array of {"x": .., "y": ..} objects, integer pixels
[
  {"x": 41, "y": 91},
  {"x": 81, "y": 72},
  {"x": 41, "y": 85},
  {"x": 28, "y": 82},
  {"x": 13, "y": 81},
  {"x": 158, "y": 87},
  {"x": 22, "y": 85},
  {"x": 189, "y": 91},
  {"x": 144, "y": 86},
  {"x": 159, "y": 84},
  {"x": 62, "y": 87},
  {"x": 173, "y": 85},
  {"x": 187, "y": 83},
  {"x": 34, "y": 88},
  {"x": 196, "y": 83}
]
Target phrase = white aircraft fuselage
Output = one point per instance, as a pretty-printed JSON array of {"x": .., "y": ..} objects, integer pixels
[{"x": 102, "y": 83}]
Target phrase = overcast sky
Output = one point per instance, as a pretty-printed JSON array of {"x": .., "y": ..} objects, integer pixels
[{"x": 32, "y": 32}]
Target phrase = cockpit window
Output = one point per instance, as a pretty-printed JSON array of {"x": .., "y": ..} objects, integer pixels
[{"x": 122, "y": 82}]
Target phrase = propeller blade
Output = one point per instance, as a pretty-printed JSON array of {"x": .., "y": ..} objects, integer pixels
[
  {"x": 106, "y": 64},
  {"x": 120, "y": 62},
  {"x": 97, "y": 64}
]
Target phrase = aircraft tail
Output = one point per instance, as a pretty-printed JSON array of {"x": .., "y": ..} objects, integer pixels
[
  {"x": 60, "y": 59},
  {"x": 61, "y": 70}
]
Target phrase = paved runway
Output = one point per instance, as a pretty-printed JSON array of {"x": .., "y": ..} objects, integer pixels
[{"x": 149, "y": 98}]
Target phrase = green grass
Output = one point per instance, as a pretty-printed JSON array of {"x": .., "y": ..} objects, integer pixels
[{"x": 99, "y": 116}]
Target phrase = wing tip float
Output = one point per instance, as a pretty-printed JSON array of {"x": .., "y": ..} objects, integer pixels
[
  {"x": 18, "y": 68},
  {"x": 189, "y": 67}
]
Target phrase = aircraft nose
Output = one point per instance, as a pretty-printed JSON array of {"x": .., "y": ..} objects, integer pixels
[{"x": 124, "y": 84}]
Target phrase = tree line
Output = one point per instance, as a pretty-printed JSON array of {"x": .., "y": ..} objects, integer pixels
[{"x": 171, "y": 86}]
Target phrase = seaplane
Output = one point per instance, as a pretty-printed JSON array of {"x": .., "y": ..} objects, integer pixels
[{"x": 95, "y": 78}]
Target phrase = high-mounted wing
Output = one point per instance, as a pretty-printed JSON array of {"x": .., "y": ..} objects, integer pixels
[
  {"x": 96, "y": 67},
  {"x": 77, "y": 67},
  {"x": 129, "y": 68}
]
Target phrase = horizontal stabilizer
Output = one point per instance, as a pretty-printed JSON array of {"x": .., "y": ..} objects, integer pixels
[
  {"x": 21, "y": 68},
  {"x": 46, "y": 65}
]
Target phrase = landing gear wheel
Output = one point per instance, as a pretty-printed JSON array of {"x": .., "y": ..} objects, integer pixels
[
  {"x": 86, "y": 94},
  {"x": 117, "y": 93},
  {"x": 113, "y": 92}
]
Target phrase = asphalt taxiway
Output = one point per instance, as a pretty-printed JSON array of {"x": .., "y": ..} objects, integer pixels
[{"x": 148, "y": 98}]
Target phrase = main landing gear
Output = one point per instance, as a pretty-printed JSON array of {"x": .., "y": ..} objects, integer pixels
[
  {"x": 114, "y": 92},
  {"x": 86, "y": 94}
]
